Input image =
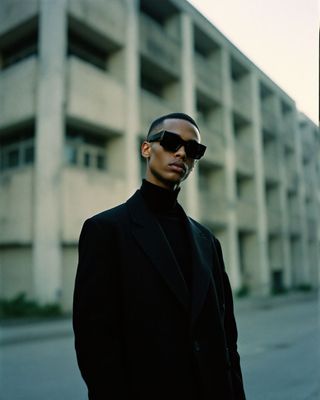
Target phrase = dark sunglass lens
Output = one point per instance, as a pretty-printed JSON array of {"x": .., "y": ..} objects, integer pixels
[
  {"x": 171, "y": 142},
  {"x": 201, "y": 151},
  {"x": 195, "y": 150}
]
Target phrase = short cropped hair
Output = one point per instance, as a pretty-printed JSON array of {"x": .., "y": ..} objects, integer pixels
[{"x": 158, "y": 121}]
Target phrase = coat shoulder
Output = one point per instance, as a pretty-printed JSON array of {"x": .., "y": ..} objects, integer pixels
[
  {"x": 203, "y": 229},
  {"x": 109, "y": 217},
  {"x": 209, "y": 235},
  {"x": 116, "y": 216}
]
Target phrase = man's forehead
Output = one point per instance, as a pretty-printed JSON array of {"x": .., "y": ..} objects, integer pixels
[{"x": 179, "y": 126}]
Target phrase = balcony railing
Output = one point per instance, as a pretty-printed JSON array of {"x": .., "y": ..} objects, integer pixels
[
  {"x": 213, "y": 208},
  {"x": 310, "y": 189},
  {"x": 292, "y": 181},
  {"x": 107, "y": 17},
  {"x": 16, "y": 14},
  {"x": 94, "y": 95},
  {"x": 269, "y": 121},
  {"x": 247, "y": 214},
  {"x": 151, "y": 107},
  {"x": 244, "y": 158},
  {"x": 289, "y": 125},
  {"x": 158, "y": 46},
  {"x": 215, "y": 142},
  {"x": 271, "y": 168},
  {"x": 308, "y": 150},
  {"x": 208, "y": 77},
  {"x": 288, "y": 139},
  {"x": 312, "y": 229},
  {"x": 241, "y": 101},
  {"x": 18, "y": 85},
  {"x": 294, "y": 222},
  {"x": 274, "y": 220}
]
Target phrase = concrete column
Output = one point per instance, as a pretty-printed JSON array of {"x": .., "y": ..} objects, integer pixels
[
  {"x": 189, "y": 107},
  {"x": 47, "y": 257},
  {"x": 262, "y": 275},
  {"x": 285, "y": 233},
  {"x": 304, "y": 256},
  {"x": 132, "y": 115},
  {"x": 317, "y": 284},
  {"x": 233, "y": 253},
  {"x": 317, "y": 204}
]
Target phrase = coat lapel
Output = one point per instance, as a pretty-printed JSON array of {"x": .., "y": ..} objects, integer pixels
[
  {"x": 202, "y": 264},
  {"x": 150, "y": 237}
]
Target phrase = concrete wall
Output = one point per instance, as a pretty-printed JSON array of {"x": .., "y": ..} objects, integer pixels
[
  {"x": 16, "y": 12},
  {"x": 18, "y": 92},
  {"x": 69, "y": 267},
  {"x": 94, "y": 96},
  {"x": 107, "y": 18},
  {"x": 86, "y": 193},
  {"x": 16, "y": 206},
  {"x": 16, "y": 272},
  {"x": 151, "y": 107}
]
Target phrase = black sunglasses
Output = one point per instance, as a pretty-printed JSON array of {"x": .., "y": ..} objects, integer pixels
[{"x": 172, "y": 142}]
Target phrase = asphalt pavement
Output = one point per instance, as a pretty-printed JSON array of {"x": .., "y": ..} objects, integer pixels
[
  {"x": 278, "y": 343},
  {"x": 21, "y": 330}
]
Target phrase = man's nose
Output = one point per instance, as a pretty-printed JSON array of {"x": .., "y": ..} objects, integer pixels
[{"x": 181, "y": 152}]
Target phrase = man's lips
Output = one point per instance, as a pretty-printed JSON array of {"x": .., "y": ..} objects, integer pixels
[{"x": 178, "y": 166}]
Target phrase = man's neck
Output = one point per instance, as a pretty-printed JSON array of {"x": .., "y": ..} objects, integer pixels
[
  {"x": 159, "y": 198},
  {"x": 162, "y": 185}
]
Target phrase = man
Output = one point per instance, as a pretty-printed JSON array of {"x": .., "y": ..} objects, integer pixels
[{"x": 153, "y": 312}]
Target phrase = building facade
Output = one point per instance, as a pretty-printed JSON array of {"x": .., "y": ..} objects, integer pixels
[{"x": 81, "y": 80}]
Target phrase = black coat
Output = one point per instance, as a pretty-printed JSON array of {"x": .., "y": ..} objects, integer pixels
[{"x": 139, "y": 333}]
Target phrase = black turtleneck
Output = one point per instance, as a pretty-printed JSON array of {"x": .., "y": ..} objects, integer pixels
[{"x": 163, "y": 204}]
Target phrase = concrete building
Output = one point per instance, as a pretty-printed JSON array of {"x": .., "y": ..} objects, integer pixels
[{"x": 80, "y": 81}]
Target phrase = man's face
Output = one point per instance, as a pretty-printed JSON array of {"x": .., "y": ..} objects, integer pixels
[{"x": 168, "y": 169}]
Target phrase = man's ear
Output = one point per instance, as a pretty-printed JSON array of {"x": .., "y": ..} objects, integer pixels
[{"x": 145, "y": 149}]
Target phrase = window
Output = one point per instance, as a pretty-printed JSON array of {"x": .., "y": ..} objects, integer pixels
[
  {"x": 28, "y": 156},
  {"x": 277, "y": 282},
  {"x": 16, "y": 152},
  {"x": 71, "y": 154},
  {"x": 158, "y": 13},
  {"x": 13, "y": 157},
  {"x": 85, "y": 149},
  {"x": 86, "y": 159},
  {"x": 204, "y": 179},
  {"x": 19, "y": 49},
  {"x": 86, "y": 50},
  {"x": 101, "y": 161},
  {"x": 152, "y": 85}
]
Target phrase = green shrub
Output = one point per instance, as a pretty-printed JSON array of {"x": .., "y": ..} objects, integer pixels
[
  {"x": 243, "y": 291},
  {"x": 278, "y": 290},
  {"x": 304, "y": 287},
  {"x": 19, "y": 306}
]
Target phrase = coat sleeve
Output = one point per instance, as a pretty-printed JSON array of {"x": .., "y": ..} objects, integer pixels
[
  {"x": 231, "y": 330},
  {"x": 96, "y": 320}
]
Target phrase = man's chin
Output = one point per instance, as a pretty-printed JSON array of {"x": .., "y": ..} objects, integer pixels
[
  {"x": 176, "y": 177},
  {"x": 171, "y": 180},
  {"x": 175, "y": 180}
]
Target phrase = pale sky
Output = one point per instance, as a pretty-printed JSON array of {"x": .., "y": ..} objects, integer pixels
[{"x": 279, "y": 36}]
